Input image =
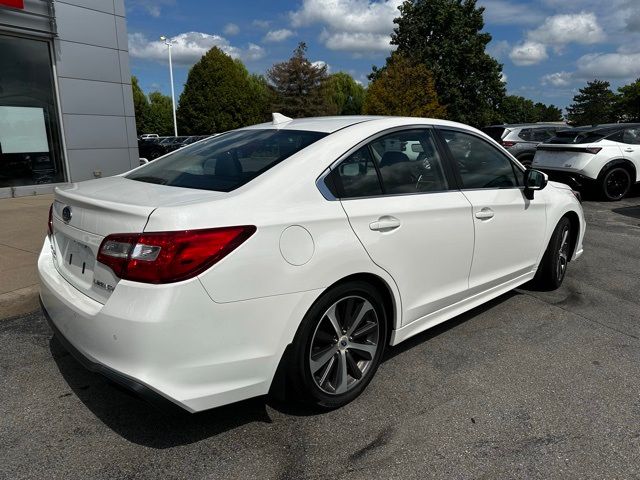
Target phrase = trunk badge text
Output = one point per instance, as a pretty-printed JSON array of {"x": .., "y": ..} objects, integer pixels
[
  {"x": 109, "y": 288},
  {"x": 66, "y": 214}
]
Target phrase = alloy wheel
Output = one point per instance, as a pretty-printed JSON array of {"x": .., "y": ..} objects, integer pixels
[
  {"x": 617, "y": 183},
  {"x": 344, "y": 344},
  {"x": 563, "y": 254}
]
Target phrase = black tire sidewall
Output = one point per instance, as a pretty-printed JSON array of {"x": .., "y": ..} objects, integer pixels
[
  {"x": 605, "y": 193},
  {"x": 547, "y": 273},
  {"x": 299, "y": 372}
]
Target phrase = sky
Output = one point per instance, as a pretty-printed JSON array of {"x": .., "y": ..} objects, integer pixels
[{"x": 548, "y": 48}]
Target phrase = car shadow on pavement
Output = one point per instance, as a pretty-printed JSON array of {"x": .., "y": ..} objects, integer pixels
[
  {"x": 158, "y": 427},
  {"x": 633, "y": 211},
  {"x": 145, "y": 424}
]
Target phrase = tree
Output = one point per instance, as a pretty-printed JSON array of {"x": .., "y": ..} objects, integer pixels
[
  {"x": 160, "y": 119},
  {"x": 628, "y": 102},
  {"x": 595, "y": 103},
  {"x": 220, "y": 95},
  {"x": 548, "y": 113},
  {"x": 404, "y": 89},
  {"x": 446, "y": 36},
  {"x": 516, "y": 109},
  {"x": 345, "y": 94},
  {"x": 140, "y": 106},
  {"x": 299, "y": 86}
]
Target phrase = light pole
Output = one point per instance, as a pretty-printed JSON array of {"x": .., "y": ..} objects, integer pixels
[{"x": 169, "y": 44}]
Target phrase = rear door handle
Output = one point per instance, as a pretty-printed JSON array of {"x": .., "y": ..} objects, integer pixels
[
  {"x": 385, "y": 224},
  {"x": 628, "y": 149},
  {"x": 485, "y": 214}
]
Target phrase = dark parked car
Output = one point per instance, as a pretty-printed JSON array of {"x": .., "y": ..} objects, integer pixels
[{"x": 521, "y": 140}]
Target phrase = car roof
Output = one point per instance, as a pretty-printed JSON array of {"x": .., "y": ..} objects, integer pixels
[
  {"x": 529, "y": 125},
  {"x": 333, "y": 124},
  {"x": 606, "y": 126}
]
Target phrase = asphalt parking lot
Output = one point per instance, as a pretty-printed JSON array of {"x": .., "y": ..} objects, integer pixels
[{"x": 532, "y": 385}]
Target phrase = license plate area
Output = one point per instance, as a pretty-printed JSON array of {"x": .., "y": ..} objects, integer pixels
[{"x": 75, "y": 259}]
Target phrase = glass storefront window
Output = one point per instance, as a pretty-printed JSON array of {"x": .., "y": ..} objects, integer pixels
[{"x": 30, "y": 149}]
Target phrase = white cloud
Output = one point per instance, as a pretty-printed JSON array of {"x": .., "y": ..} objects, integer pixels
[
  {"x": 278, "y": 35},
  {"x": 357, "y": 42},
  {"x": 498, "y": 48},
  {"x": 528, "y": 53},
  {"x": 559, "y": 30},
  {"x": 188, "y": 47},
  {"x": 263, "y": 24},
  {"x": 609, "y": 65},
  {"x": 231, "y": 29},
  {"x": 152, "y": 7},
  {"x": 502, "y": 12},
  {"x": 503, "y": 77},
  {"x": 557, "y": 79},
  {"x": 253, "y": 52},
  {"x": 320, "y": 64},
  {"x": 361, "y": 26}
]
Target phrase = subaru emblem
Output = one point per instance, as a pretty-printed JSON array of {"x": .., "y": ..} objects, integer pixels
[{"x": 66, "y": 214}]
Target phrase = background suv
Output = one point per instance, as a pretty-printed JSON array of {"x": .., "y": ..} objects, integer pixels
[
  {"x": 522, "y": 139},
  {"x": 607, "y": 156}
]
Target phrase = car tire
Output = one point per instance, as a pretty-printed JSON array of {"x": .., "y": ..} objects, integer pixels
[
  {"x": 328, "y": 357},
  {"x": 615, "y": 184},
  {"x": 553, "y": 267}
]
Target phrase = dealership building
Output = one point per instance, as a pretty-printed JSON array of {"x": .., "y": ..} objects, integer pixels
[{"x": 66, "y": 106}]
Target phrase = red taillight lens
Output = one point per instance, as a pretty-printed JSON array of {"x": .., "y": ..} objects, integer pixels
[
  {"x": 508, "y": 144},
  {"x": 593, "y": 150},
  {"x": 50, "y": 223},
  {"x": 165, "y": 257}
]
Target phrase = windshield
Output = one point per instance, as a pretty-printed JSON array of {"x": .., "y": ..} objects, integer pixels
[
  {"x": 225, "y": 162},
  {"x": 577, "y": 136}
]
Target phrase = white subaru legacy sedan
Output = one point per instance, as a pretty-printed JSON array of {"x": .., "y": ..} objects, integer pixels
[{"x": 293, "y": 253}]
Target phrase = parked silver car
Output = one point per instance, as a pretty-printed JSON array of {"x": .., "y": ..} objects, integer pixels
[{"x": 522, "y": 139}]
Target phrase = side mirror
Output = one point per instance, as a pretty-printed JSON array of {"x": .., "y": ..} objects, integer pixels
[
  {"x": 143, "y": 161},
  {"x": 534, "y": 180}
]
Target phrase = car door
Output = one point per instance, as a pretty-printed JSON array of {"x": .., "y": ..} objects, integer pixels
[
  {"x": 509, "y": 229},
  {"x": 396, "y": 192}
]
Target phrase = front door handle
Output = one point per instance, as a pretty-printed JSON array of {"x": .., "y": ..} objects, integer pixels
[
  {"x": 484, "y": 214},
  {"x": 385, "y": 224}
]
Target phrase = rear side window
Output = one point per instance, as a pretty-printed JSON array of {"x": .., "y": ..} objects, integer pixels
[
  {"x": 631, "y": 136},
  {"x": 225, "y": 162},
  {"x": 536, "y": 134},
  {"x": 409, "y": 162},
  {"x": 479, "y": 163},
  {"x": 401, "y": 162},
  {"x": 357, "y": 176}
]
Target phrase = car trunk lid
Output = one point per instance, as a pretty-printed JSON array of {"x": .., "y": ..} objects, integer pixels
[{"x": 85, "y": 213}]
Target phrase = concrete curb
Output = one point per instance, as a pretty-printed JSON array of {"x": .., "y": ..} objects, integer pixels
[{"x": 19, "y": 302}]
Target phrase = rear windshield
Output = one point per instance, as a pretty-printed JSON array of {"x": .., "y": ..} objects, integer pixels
[
  {"x": 225, "y": 162},
  {"x": 497, "y": 133}
]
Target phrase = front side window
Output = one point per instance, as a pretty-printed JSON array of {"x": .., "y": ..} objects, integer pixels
[
  {"x": 225, "y": 162},
  {"x": 479, "y": 163}
]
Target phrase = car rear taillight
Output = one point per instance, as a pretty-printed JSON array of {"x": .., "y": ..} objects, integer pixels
[
  {"x": 593, "y": 150},
  {"x": 165, "y": 257},
  {"x": 508, "y": 144},
  {"x": 50, "y": 223}
]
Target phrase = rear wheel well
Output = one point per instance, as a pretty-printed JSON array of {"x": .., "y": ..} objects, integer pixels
[
  {"x": 620, "y": 162},
  {"x": 575, "y": 230},
  {"x": 383, "y": 288}
]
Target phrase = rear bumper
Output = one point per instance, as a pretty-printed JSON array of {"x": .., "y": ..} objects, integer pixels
[
  {"x": 117, "y": 377},
  {"x": 173, "y": 341}
]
